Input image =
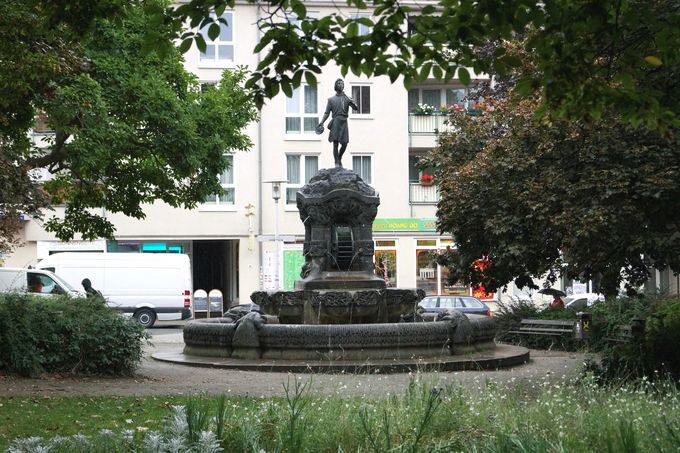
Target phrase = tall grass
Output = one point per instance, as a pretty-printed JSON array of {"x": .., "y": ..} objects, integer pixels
[{"x": 550, "y": 417}]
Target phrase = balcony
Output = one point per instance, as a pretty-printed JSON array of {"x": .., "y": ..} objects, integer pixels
[
  {"x": 419, "y": 194},
  {"x": 424, "y": 129}
]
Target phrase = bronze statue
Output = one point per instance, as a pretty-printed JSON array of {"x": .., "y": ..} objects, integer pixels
[{"x": 339, "y": 130}]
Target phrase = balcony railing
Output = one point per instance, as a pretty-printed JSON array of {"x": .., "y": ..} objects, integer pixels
[
  {"x": 419, "y": 194},
  {"x": 427, "y": 124}
]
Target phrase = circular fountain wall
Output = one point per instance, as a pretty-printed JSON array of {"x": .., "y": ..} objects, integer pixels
[{"x": 255, "y": 336}]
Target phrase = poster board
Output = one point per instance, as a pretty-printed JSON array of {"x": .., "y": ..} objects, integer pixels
[
  {"x": 200, "y": 303},
  {"x": 216, "y": 303}
]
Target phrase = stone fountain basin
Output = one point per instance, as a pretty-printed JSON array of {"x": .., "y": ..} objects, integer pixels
[{"x": 252, "y": 338}]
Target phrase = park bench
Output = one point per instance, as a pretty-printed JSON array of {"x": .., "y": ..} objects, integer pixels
[
  {"x": 629, "y": 333},
  {"x": 549, "y": 327}
]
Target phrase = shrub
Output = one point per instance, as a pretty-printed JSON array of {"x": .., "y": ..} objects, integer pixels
[
  {"x": 62, "y": 334},
  {"x": 663, "y": 336},
  {"x": 654, "y": 355}
]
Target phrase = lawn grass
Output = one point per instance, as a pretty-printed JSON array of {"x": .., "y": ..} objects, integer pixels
[
  {"x": 548, "y": 417},
  {"x": 49, "y": 416}
]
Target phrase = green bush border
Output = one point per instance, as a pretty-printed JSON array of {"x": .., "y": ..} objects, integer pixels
[{"x": 63, "y": 334}]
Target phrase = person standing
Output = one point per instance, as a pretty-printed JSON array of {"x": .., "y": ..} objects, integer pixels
[
  {"x": 89, "y": 290},
  {"x": 557, "y": 302},
  {"x": 339, "y": 106}
]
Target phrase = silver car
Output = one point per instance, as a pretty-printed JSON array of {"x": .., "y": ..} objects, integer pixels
[{"x": 464, "y": 304}]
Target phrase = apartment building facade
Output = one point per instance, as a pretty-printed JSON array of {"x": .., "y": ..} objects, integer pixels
[{"x": 230, "y": 237}]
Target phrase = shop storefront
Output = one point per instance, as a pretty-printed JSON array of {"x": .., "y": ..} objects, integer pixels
[{"x": 405, "y": 251}]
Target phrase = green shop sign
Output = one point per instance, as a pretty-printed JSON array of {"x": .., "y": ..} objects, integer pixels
[
  {"x": 405, "y": 225},
  {"x": 292, "y": 263}
]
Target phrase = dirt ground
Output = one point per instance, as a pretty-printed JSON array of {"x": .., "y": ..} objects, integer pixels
[{"x": 160, "y": 378}]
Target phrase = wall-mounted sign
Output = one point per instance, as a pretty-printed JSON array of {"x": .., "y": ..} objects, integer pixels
[{"x": 405, "y": 224}]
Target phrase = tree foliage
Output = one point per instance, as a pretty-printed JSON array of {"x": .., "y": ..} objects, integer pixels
[
  {"x": 129, "y": 127},
  {"x": 586, "y": 199},
  {"x": 592, "y": 55}
]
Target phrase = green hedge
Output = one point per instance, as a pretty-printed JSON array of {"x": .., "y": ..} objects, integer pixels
[{"x": 62, "y": 334}]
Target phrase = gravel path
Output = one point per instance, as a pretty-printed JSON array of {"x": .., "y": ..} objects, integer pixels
[{"x": 159, "y": 378}]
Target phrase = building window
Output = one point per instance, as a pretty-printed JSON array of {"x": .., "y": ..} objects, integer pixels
[
  {"x": 386, "y": 261},
  {"x": 431, "y": 97},
  {"x": 415, "y": 171},
  {"x": 293, "y": 20},
  {"x": 363, "y": 29},
  {"x": 362, "y": 166},
  {"x": 426, "y": 268},
  {"x": 440, "y": 97},
  {"x": 302, "y": 111},
  {"x": 207, "y": 86},
  {"x": 432, "y": 278},
  {"x": 228, "y": 194},
  {"x": 455, "y": 96},
  {"x": 362, "y": 98},
  {"x": 221, "y": 49},
  {"x": 299, "y": 170}
]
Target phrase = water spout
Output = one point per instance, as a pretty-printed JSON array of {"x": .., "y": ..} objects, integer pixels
[
  {"x": 351, "y": 263},
  {"x": 330, "y": 255}
]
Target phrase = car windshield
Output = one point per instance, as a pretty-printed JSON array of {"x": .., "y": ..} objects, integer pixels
[
  {"x": 66, "y": 286},
  {"x": 62, "y": 283}
]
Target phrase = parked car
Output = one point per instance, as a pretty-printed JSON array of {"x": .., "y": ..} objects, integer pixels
[
  {"x": 36, "y": 281},
  {"x": 582, "y": 301},
  {"x": 465, "y": 304}
]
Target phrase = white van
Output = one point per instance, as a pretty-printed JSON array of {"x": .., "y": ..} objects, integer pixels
[
  {"x": 40, "y": 282},
  {"x": 148, "y": 286}
]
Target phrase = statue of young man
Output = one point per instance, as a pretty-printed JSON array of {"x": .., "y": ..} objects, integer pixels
[{"x": 339, "y": 132}]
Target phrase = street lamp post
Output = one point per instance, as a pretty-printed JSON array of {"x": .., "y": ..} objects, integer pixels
[{"x": 276, "y": 195}]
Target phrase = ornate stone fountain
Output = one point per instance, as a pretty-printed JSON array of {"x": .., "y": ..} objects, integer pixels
[
  {"x": 339, "y": 312},
  {"x": 338, "y": 284}
]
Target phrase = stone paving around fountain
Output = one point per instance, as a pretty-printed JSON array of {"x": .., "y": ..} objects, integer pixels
[{"x": 155, "y": 378}]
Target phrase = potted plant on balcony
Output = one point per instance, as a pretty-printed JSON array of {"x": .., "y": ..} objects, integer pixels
[
  {"x": 426, "y": 180},
  {"x": 424, "y": 109}
]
